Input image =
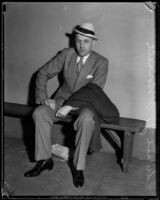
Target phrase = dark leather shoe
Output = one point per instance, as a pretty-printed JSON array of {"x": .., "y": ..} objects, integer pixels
[
  {"x": 78, "y": 178},
  {"x": 40, "y": 166}
]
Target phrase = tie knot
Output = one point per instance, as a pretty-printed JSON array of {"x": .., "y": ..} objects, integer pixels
[{"x": 81, "y": 60}]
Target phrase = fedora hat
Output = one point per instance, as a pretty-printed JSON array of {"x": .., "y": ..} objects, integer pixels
[{"x": 86, "y": 29}]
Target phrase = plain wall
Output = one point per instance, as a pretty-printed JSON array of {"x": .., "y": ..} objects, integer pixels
[{"x": 35, "y": 32}]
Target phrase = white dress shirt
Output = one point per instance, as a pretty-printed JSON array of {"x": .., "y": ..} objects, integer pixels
[{"x": 83, "y": 59}]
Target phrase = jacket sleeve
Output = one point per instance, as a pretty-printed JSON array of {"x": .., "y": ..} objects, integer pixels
[
  {"x": 48, "y": 71},
  {"x": 101, "y": 72}
]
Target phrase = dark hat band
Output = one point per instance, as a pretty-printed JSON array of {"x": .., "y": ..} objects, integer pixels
[{"x": 85, "y": 31}]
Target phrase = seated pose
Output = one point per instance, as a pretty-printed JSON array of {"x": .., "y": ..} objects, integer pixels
[{"x": 81, "y": 66}]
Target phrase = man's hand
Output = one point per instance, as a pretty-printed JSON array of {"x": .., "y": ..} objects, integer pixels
[
  {"x": 51, "y": 103},
  {"x": 64, "y": 110}
]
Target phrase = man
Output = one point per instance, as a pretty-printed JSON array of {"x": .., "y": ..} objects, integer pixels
[{"x": 80, "y": 66}]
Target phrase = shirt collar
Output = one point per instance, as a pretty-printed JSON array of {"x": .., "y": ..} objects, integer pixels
[{"x": 84, "y": 58}]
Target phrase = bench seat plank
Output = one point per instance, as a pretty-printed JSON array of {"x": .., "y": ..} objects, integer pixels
[
  {"x": 127, "y": 124},
  {"x": 19, "y": 110}
]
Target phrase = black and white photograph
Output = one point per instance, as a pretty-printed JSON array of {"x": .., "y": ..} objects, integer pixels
[{"x": 79, "y": 114}]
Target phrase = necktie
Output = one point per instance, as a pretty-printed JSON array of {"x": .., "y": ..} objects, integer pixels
[{"x": 80, "y": 63}]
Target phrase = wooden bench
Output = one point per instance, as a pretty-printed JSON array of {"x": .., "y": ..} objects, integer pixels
[{"x": 127, "y": 125}]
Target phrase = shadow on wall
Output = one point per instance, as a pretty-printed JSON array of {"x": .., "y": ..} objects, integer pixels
[{"x": 32, "y": 85}]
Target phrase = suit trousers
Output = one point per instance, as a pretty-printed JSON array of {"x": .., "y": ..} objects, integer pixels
[{"x": 44, "y": 118}]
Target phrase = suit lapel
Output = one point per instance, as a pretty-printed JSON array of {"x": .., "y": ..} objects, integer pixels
[{"x": 72, "y": 66}]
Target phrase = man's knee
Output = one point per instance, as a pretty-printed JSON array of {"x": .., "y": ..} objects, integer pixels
[
  {"x": 87, "y": 116},
  {"x": 41, "y": 110},
  {"x": 45, "y": 113},
  {"x": 85, "y": 119}
]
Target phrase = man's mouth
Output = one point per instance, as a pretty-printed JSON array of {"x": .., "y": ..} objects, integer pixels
[{"x": 82, "y": 50}]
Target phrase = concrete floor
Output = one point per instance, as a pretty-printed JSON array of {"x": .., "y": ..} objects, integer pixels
[{"x": 103, "y": 176}]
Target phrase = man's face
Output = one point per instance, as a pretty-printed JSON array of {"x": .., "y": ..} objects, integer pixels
[{"x": 83, "y": 44}]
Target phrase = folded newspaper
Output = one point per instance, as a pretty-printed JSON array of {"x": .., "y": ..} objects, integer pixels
[{"x": 60, "y": 151}]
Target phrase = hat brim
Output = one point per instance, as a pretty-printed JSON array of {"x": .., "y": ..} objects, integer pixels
[{"x": 85, "y": 34}]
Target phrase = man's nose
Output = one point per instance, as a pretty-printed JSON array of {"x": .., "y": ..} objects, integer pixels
[{"x": 81, "y": 44}]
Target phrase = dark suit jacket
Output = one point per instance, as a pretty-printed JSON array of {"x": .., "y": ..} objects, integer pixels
[
  {"x": 94, "y": 70},
  {"x": 92, "y": 96}
]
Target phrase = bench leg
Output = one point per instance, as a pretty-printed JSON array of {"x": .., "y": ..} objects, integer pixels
[
  {"x": 127, "y": 150},
  {"x": 131, "y": 147}
]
